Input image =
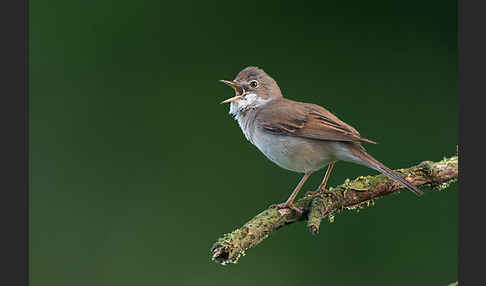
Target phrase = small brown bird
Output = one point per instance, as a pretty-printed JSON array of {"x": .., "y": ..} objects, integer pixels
[{"x": 297, "y": 136}]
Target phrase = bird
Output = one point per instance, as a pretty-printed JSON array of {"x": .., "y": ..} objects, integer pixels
[{"x": 297, "y": 136}]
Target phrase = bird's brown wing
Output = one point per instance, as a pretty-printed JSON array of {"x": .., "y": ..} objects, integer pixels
[{"x": 292, "y": 118}]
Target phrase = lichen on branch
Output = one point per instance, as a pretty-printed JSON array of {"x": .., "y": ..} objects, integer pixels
[{"x": 352, "y": 194}]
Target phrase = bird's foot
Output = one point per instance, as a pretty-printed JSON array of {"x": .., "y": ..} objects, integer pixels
[
  {"x": 313, "y": 193},
  {"x": 331, "y": 193},
  {"x": 325, "y": 191},
  {"x": 287, "y": 205}
]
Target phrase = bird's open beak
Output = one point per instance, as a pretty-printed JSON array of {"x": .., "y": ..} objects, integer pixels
[{"x": 238, "y": 88}]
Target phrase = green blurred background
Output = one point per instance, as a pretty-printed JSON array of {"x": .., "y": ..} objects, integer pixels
[{"x": 136, "y": 169}]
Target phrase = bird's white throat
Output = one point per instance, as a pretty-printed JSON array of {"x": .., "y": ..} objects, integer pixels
[
  {"x": 249, "y": 101},
  {"x": 242, "y": 112}
]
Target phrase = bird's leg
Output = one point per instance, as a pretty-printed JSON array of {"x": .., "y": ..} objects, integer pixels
[
  {"x": 290, "y": 201},
  {"x": 322, "y": 186}
]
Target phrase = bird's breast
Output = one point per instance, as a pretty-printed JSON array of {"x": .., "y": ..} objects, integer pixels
[
  {"x": 246, "y": 121},
  {"x": 294, "y": 153}
]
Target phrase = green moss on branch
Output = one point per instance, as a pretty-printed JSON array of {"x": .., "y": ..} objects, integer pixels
[{"x": 352, "y": 194}]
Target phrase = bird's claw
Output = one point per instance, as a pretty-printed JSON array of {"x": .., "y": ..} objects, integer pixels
[
  {"x": 287, "y": 206},
  {"x": 313, "y": 193},
  {"x": 324, "y": 191}
]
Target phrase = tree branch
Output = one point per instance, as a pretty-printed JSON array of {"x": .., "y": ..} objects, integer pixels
[{"x": 353, "y": 194}]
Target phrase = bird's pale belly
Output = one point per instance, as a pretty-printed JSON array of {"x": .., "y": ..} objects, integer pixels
[{"x": 295, "y": 153}]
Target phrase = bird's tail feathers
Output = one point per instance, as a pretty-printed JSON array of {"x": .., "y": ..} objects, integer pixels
[{"x": 371, "y": 162}]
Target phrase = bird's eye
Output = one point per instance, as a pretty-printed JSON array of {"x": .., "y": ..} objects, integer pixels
[{"x": 254, "y": 84}]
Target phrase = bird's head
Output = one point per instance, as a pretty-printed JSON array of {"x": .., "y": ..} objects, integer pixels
[{"x": 253, "y": 88}]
